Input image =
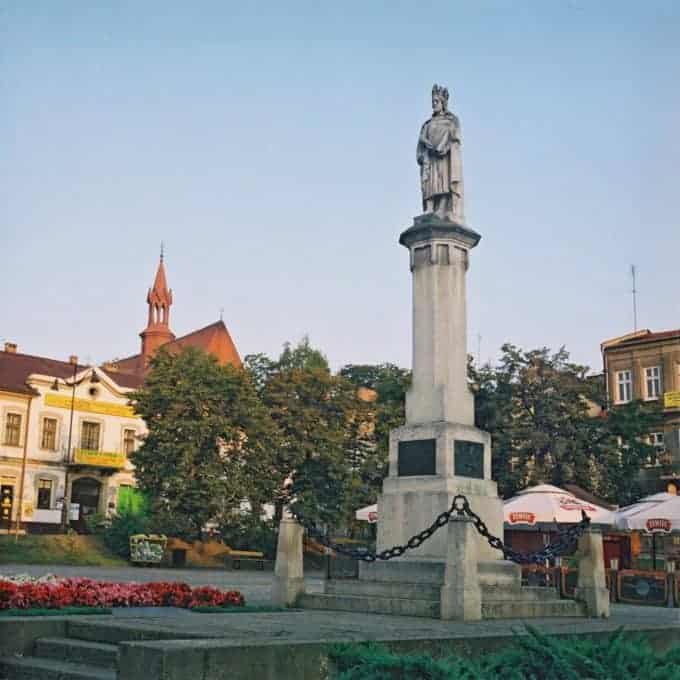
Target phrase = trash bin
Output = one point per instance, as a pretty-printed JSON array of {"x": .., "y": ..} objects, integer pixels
[{"x": 179, "y": 557}]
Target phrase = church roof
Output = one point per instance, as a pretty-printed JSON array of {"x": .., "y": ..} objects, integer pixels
[
  {"x": 213, "y": 339},
  {"x": 160, "y": 293}
]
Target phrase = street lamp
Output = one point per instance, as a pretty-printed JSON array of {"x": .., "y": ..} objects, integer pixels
[{"x": 67, "y": 494}]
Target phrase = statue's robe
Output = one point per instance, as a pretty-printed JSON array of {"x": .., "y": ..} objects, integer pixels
[{"x": 439, "y": 157}]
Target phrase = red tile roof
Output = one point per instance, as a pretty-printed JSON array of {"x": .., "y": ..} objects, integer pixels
[
  {"x": 214, "y": 339},
  {"x": 129, "y": 380},
  {"x": 15, "y": 369}
]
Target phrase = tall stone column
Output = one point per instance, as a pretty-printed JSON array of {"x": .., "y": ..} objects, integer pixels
[{"x": 439, "y": 452}]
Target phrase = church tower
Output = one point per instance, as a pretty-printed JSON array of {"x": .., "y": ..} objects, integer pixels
[{"x": 159, "y": 299}]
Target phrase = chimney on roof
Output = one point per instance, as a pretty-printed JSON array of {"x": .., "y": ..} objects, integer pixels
[
  {"x": 73, "y": 359},
  {"x": 11, "y": 347}
]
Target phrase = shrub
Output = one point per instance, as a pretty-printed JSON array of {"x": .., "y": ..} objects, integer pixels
[
  {"x": 117, "y": 536},
  {"x": 247, "y": 532},
  {"x": 534, "y": 656}
]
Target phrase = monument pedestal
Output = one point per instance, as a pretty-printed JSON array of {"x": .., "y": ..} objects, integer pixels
[
  {"x": 429, "y": 465},
  {"x": 436, "y": 455},
  {"x": 439, "y": 453}
]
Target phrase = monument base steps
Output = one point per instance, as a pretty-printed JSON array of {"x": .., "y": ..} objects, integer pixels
[
  {"x": 414, "y": 589},
  {"x": 522, "y": 605}
]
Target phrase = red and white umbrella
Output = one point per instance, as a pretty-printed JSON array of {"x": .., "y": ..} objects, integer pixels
[
  {"x": 367, "y": 514},
  {"x": 547, "y": 504},
  {"x": 658, "y": 513}
]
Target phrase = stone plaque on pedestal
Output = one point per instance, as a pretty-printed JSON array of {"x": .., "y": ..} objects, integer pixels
[
  {"x": 468, "y": 459},
  {"x": 417, "y": 457}
]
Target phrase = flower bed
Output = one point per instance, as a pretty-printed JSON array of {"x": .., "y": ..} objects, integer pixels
[{"x": 55, "y": 593}]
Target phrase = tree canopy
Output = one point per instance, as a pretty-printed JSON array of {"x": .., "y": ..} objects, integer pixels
[
  {"x": 208, "y": 435},
  {"x": 547, "y": 425}
]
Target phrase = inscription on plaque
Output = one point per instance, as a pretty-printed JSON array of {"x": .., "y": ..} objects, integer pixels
[
  {"x": 468, "y": 459},
  {"x": 417, "y": 458}
]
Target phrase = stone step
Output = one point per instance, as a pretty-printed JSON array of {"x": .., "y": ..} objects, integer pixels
[
  {"x": 34, "y": 668},
  {"x": 113, "y": 633},
  {"x": 524, "y": 610},
  {"x": 499, "y": 609},
  {"x": 521, "y": 594},
  {"x": 427, "y": 591},
  {"x": 78, "y": 651},
  {"x": 417, "y": 591},
  {"x": 372, "y": 605},
  {"x": 491, "y": 573}
]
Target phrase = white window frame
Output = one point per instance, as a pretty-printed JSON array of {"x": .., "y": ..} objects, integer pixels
[
  {"x": 622, "y": 384},
  {"x": 657, "y": 440},
  {"x": 56, "y": 434},
  {"x": 83, "y": 425},
  {"x": 5, "y": 437},
  {"x": 653, "y": 379},
  {"x": 134, "y": 440}
]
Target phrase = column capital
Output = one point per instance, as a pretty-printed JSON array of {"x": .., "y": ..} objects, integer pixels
[{"x": 431, "y": 228}]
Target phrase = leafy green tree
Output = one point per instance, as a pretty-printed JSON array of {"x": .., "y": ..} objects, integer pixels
[
  {"x": 208, "y": 435},
  {"x": 310, "y": 408},
  {"x": 626, "y": 449},
  {"x": 535, "y": 404},
  {"x": 547, "y": 424},
  {"x": 383, "y": 408}
]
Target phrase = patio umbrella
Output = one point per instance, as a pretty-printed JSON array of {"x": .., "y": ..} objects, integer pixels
[
  {"x": 368, "y": 514},
  {"x": 547, "y": 504},
  {"x": 655, "y": 514},
  {"x": 659, "y": 512}
]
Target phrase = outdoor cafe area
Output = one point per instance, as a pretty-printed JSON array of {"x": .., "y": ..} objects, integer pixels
[{"x": 641, "y": 542}]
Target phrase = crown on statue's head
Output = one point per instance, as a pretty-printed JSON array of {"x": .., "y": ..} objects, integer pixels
[{"x": 439, "y": 91}]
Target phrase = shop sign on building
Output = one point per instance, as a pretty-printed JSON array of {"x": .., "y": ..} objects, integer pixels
[
  {"x": 671, "y": 400},
  {"x": 102, "y": 407},
  {"x": 108, "y": 459}
]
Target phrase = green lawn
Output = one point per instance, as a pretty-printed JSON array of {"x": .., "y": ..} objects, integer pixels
[{"x": 58, "y": 549}]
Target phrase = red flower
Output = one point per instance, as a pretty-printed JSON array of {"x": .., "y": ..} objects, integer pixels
[{"x": 85, "y": 592}]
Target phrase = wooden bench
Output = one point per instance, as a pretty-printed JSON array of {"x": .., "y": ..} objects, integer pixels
[{"x": 234, "y": 558}]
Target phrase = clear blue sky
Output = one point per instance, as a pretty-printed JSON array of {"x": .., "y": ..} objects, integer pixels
[{"x": 271, "y": 146}]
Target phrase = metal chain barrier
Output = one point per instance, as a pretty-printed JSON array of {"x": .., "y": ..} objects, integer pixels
[{"x": 460, "y": 506}]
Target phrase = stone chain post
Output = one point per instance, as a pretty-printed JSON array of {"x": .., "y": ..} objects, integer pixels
[
  {"x": 592, "y": 584},
  {"x": 461, "y": 597},
  {"x": 288, "y": 582}
]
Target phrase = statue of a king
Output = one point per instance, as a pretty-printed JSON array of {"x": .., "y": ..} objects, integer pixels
[{"x": 439, "y": 157}]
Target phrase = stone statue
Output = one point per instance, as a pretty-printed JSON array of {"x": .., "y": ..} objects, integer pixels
[{"x": 439, "y": 157}]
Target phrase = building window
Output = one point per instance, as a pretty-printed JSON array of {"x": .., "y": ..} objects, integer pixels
[
  {"x": 89, "y": 437},
  {"x": 13, "y": 429},
  {"x": 49, "y": 434},
  {"x": 624, "y": 386},
  {"x": 656, "y": 439},
  {"x": 653, "y": 380},
  {"x": 44, "y": 494},
  {"x": 129, "y": 440}
]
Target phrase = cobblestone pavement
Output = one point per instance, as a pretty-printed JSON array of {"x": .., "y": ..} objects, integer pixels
[{"x": 254, "y": 585}]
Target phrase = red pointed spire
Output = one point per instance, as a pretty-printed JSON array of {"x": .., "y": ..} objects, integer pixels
[{"x": 159, "y": 299}]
